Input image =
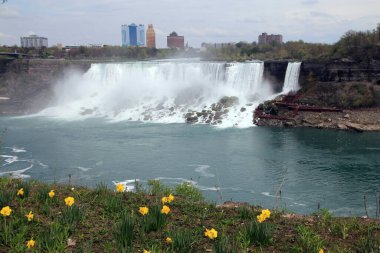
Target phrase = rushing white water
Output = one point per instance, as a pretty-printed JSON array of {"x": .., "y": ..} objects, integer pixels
[
  {"x": 291, "y": 78},
  {"x": 162, "y": 92}
]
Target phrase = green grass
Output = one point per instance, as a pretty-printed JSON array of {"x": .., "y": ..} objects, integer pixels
[{"x": 102, "y": 220}]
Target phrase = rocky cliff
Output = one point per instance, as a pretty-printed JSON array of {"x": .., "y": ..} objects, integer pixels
[
  {"x": 334, "y": 94},
  {"x": 26, "y": 85}
]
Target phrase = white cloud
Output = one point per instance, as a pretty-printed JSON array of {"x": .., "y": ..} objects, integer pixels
[
  {"x": 7, "y": 12},
  {"x": 99, "y": 21}
]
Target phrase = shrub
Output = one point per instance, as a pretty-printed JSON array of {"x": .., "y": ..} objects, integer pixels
[
  {"x": 189, "y": 192},
  {"x": 156, "y": 187}
]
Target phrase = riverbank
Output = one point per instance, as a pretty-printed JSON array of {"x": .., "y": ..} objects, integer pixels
[{"x": 111, "y": 220}]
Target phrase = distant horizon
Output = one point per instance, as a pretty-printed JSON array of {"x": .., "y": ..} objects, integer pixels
[{"x": 99, "y": 22}]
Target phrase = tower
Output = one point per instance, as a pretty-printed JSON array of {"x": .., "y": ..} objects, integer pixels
[
  {"x": 141, "y": 35},
  {"x": 132, "y": 34},
  {"x": 124, "y": 35},
  {"x": 150, "y": 37}
]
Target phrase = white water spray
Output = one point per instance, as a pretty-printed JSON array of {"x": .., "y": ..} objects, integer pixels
[
  {"x": 291, "y": 78},
  {"x": 161, "y": 92}
]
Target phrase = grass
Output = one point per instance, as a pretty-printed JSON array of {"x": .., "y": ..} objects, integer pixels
[{"x": 102, "y": 220}]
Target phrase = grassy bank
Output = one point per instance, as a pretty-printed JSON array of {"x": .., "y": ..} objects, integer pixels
[{"x": 63, "y": 218}]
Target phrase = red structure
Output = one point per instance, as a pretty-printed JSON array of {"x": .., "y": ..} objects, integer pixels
[
  {"x": 150, "y": 37},
  {"x": 270, "y": 39},
  {"x": 175, "y": 41}
]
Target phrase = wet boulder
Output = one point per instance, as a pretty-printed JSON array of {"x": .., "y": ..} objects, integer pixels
[{"x": 229, "y": 101}]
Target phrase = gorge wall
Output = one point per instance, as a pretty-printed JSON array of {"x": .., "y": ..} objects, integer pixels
[
  {"x": 26, "y": 85},
  {"x": 324, "y": 71}
]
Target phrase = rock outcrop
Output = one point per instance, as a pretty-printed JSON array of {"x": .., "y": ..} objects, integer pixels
[
  {"x": 27, "y": 84},
  {"x": 344, "y": 106}
]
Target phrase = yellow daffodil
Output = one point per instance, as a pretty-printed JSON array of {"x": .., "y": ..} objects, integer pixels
[
  {"x": 30, "y": 243},
  {"x": 168, "y": 240},
  {"x": 146, "y": 251},
  {"x": 6, "y": 211},
  {"x": 20, "y": 192},
  {"x": 69, "y": 201},
  {"x": 144, "y": 210},
  {"x": 119, "y": 187},
  {"x": 321, "y": 251},
  {"x": 170, "y": 198},
  {"x": 266, "y": 213},
  {"x": 164, "y": 200},
  {"x": 261, "y": 218},
  {"x": 211, "y": 233},
  {"x": 165, "y": 209},
  {"x": 51, "y": 194},
  {"x": 30, "y": 216}
]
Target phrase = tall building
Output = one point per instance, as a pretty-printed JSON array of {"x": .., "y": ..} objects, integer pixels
[
  {"x": 265, "y": 38},
  {"x": 141, "y": 35},
  {"x": 34, "y": 41},
  {"x": 150, "y": 37},
  {"x": 175, "y": 41},
  {"x": 132, "y": 35},
  {"x": 125, "y": 36}
]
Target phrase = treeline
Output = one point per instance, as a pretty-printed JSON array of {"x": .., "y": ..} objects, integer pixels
[
  {"x": 358, "y": 46},
  {"x": 105, "y": 52}
]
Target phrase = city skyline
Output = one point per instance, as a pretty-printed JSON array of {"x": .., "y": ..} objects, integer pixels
[{"x": 98, "y": 22}]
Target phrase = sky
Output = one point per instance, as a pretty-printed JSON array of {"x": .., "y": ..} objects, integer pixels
[{"x": 83, "y": 22}]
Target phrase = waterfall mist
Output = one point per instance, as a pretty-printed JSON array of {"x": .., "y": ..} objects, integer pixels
[{"x": 161, "y": 91}]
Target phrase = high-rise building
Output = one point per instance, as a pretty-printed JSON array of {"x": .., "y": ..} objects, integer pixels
[
  {"x": 125, "y": 35},
  {"x": 265, "y": 38},
  {"x": 34, "y": 41},
  {"x": 150, "y": 37},
  {"x": 132, "y": 35},
  {"x": 141, "y": 35},
  {"x": 175, "y": 41}
]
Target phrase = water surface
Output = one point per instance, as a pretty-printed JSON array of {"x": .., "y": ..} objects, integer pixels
[{"x": 309, "y": 166}]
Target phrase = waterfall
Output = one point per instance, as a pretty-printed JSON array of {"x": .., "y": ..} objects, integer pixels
[
  {"x": 291, "y": 78},
  {"x": 161, "y": 91}
]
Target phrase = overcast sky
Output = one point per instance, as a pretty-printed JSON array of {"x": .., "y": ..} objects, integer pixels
[{"x": 81, "y": 22}]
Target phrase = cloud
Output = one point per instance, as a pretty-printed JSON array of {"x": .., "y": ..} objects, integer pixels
[
  {"x": 310, "y": 2},
  {"x": 6, "y": 12},
  {"x": 5, "y": 36},
  {"x": 321, "y": 15}
]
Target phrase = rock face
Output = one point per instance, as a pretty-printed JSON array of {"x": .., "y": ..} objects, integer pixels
[
  {"x": 338, "y": 71},
  {"x": 347, "y": 95},
  {"x": 296, "y": 114},
  {"x": 213, "y": 115},
  {"x": 28, "y": 83}
]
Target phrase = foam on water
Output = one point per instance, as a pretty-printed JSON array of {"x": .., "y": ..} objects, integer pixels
[
  {"x": 203, "y": 170},
  {"x": 161, "y": 92}
]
